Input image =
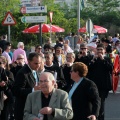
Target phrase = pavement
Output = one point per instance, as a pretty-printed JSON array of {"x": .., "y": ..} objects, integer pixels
[{"x": 112, "y": 105}]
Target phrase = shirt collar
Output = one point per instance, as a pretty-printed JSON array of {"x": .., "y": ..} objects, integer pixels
[{"x": 49, "y": 66}]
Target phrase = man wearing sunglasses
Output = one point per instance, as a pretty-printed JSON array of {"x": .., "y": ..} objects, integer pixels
[
  {"x": 84, "y": 56},
  {"x": 100, "y": 70}
]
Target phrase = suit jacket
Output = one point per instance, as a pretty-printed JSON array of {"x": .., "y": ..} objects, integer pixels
[
  {"x": 85, "y": 100},
  {"x": 59, "y": 101},
  {"x": 24, "y": 83},
  {"x": 100, "y": 73}
]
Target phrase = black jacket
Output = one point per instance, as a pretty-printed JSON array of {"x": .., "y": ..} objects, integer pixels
[{"x": 85, "y": 100}]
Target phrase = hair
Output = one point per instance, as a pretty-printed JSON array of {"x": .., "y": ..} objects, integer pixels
[
  {"x": 32, "y": 55},
  {"x": 100, "y": 45},
  {"x": 0, "y": 51},
  {"x": 47, "y": 46},
  {"x": 73, "y": 54},
  {"x": 4, "y": 60},
  {"x": 20, "y": 44},
  {"x": 49, "y": 53},
  {"x": 50, "y": 75},
  {"x": 83, "y": 45},
  {"x": 6, "y": 47},
  {"x": 60, "y": 39},
  {"x": 37, "y": 46},
  {"x": 81, "y": 68},
  {"x": 20, "y": 56}
]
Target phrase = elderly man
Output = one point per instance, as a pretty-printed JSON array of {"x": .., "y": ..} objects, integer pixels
[
  {"x": 20, "y": 50},
  {"x": 83, "y": 95},
  {"x": 52, "y": 103},
  {"x": 26, "y": 82}
]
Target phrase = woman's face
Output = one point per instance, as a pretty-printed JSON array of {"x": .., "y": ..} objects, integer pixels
[{"x": 2, "y": 64}]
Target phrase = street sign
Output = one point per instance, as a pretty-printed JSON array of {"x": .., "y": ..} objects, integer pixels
[
  {"x": 24, "y": 2},
  {"x": 89, "y": 25},
  {"x": 35, "y": 9},
  {"x": 30, "y": 2},
  {"x": 34, "y": 19},
  {"x": 9, "y": 19}
]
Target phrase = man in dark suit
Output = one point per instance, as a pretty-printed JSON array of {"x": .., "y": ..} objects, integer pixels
[
  {"x": 25, "y": 83},
  {"x": 100, "y": 70},
  {"x": 83, "y": 95}
]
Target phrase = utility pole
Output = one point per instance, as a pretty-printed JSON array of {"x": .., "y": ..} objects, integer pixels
[{"x": 78, "y": 15}]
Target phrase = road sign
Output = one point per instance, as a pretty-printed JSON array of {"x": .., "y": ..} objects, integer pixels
[
  {"x": 24, "y": 2},
  {"x": 89, "y": 25},
  {"x": 34, "y": 19},
  {"x": 9, "y": 19},
  {"x": 35, "y": 9},
  {"x": 30, "y": 2}
]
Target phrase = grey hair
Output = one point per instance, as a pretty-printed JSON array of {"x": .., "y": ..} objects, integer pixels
[
  {"x": 20, "y": 44},
  {"x": 73, "y": 54},
  {"x": 50, "y": 75},
  {"x": 49, "y": 53},
  {"x": 20, "y": 55}
]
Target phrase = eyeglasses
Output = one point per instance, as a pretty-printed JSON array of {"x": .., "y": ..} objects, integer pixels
[
  {"x": 43, "y": 81},
  {"x": 1, "y": 63},
  {"x": 83, "y": 48}
]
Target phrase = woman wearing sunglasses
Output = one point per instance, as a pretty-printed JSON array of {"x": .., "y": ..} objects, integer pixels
[{"x": 8, "y": 97}]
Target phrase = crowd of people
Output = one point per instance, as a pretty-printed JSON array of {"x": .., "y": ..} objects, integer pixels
[{"x": 57, "y": 82}]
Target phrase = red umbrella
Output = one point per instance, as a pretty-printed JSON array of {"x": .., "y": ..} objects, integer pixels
[
  {"x": 96, "y": 29},
  {"x": 45, "y": 28}
]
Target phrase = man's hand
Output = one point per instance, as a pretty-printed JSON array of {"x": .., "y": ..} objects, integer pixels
[
  {"x": 46, "y": 110},
  {"x": 36, "y": 87},
  {"x": 101, "y": 56},
  {"x": 2, "y": 84},
  {"x": 92, "y": 117}
]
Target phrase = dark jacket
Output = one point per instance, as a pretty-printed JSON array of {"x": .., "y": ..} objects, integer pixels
[
  {"x": 85, "y": 100},
  {"x": 24, "y": 82},
  {"x": 100, "y": 72}
]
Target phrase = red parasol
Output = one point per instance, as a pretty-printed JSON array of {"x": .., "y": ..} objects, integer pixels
[
  {"x": 45, "y": 28},
  {"x": 96, "y": 29}
]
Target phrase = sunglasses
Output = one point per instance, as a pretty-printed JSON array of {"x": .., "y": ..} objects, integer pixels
[
  {"x": 99, "y": 49},
  {"x": 1, "y": 63},
  {"x": 83, "y": 48}
]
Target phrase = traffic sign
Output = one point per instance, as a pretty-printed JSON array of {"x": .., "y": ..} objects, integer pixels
[
  {"x": 24, "y": 2},
  {"x": 9, "y": 19},
  {"x": 35, "y": 9},
  {"x": 89, "y": 25},
  {"x": 30, "y": 2},
  {"x": 34, "y": 19}
]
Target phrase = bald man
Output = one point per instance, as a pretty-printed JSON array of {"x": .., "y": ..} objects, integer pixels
[{"x": 53, "y": 103}]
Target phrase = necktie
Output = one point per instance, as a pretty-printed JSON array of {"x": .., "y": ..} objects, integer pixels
[{"x": 35, "y": 76}]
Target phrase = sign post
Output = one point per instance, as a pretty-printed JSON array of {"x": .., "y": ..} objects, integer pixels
[{"x": 9, "y": 20}]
